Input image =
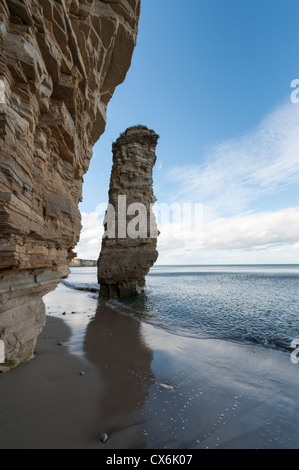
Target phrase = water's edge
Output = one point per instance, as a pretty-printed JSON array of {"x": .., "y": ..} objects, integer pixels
[{"x": 249, "y": 316}]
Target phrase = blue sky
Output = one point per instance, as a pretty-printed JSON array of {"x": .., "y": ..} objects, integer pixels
[{"x": 212, "y": 78}]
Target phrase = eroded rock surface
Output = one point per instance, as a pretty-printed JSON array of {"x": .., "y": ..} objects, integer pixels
[
  {"x": 60, "y": 62},
  {"x": 130, "y": 239}
]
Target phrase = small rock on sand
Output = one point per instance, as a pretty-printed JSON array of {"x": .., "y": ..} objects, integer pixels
[
  {"x": 104, "y": 437},
  {"x": 166, "y": 386}
]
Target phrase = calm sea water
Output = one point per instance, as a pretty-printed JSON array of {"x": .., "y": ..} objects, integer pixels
[{"x": 257, "y": 303}]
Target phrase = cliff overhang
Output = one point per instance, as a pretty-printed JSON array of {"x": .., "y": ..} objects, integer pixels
[{"x": 60, "y": 62}]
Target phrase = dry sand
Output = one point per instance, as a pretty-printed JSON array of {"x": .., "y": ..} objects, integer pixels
[{"x": 224, "y": 395}]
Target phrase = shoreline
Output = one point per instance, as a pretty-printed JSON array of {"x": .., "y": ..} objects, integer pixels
[{"x": 106, "y": 378}]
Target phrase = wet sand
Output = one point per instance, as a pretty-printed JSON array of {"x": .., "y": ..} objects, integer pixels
[{"x": 105, "y": 378}]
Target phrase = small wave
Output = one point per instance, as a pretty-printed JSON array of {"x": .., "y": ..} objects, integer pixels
[
  {"x": 119, "y": 307},
  {"x": 269, "y": 340},
  {"x": 141, "y": 311},
  {"x": 252, "y": 336},
  {"x": 82, "y": 287}
]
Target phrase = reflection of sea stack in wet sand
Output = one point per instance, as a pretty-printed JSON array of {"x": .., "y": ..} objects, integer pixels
[{"x": 130, "y": 238}]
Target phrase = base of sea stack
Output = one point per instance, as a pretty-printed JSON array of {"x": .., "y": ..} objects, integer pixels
[{"x": 122, "y": 289}]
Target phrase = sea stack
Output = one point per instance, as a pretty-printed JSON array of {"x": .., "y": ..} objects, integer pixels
[{"x": 130, "y": 238}]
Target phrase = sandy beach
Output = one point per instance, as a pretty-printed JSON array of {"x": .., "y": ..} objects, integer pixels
[{"x": 97, "y": 371}]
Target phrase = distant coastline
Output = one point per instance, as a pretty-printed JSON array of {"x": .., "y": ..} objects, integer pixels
[{"x": 82, "y": 263}]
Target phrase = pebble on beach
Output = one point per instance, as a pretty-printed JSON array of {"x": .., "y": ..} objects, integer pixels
[
  {"x": 166, "y": 386},
  {"x": 104, "y": 437}
]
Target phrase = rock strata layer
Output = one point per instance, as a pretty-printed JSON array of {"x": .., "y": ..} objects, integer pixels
[
  {"x": 60, "y": 62},
  {"x": 130, "y": 239}
]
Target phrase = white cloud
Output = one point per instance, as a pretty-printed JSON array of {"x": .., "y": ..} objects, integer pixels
[
  {"x": 248, "y": 237},
  {"x": 238, "y": 172},
  {"x": 253, "y": 230},
  {"x": 90, "y": 242}
]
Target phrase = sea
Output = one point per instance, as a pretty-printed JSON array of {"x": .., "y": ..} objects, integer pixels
[{"x": 255, "y": 304}]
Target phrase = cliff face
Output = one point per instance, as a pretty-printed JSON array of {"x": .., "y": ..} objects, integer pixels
[
  {"x": 130, "y": 238},
  {"x": 60, "y": 62}
]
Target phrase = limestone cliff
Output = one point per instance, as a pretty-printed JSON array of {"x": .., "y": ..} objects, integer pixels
[
  {"x": 130, "y": 238},
  {"x": 60, "y": 62}
]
